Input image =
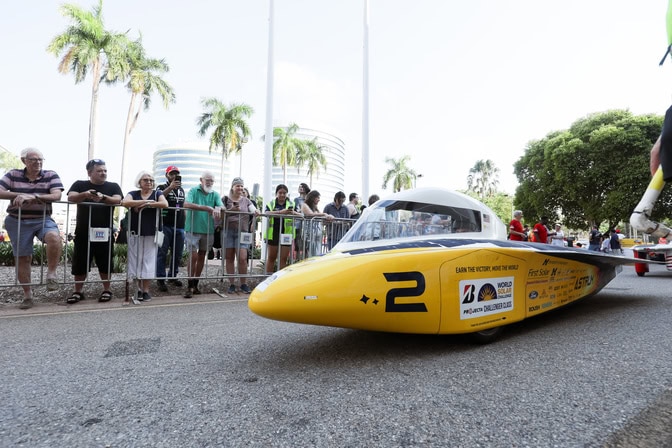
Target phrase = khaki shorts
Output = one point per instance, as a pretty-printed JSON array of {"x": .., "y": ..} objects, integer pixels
[{"x": 199, "y": 242}]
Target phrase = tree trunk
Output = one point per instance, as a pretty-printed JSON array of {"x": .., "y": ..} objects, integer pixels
[{"x": 93, "y": 114}]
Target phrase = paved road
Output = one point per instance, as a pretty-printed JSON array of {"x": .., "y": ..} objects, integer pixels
[{"x": 210, "y": 373}]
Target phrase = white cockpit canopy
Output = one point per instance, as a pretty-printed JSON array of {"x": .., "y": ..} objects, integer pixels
[{"x": 425, "y": 213}]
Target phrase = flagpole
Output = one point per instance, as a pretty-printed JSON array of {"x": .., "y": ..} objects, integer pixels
[
  {"x": 365, "y": 107},
  {"x": 268, "y": 146}
]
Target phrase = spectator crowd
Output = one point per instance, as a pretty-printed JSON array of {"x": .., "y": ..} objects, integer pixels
[
  {"x": 162, "y": 222},
  {"x": 608, "y": 242}
]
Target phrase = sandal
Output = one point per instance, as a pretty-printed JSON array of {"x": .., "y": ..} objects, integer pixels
[
  {"x": 106, "y": 296},
  {"x": 75, "y": 297}
]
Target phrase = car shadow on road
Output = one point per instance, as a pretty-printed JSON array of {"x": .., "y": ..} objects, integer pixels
[{"x": 324, "y": 346}]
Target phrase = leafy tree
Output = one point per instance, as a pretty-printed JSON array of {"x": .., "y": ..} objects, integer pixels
[
  {"x": 312, "y": 157},
  {"x": 87, "y": 46},
  {"x": 144, "y": 79},
  {"x": 500, "y": 203},
  {"x": 594, "y": 172},
  {"x": 400, "y": 174},
  {"x": 228, "y": 123},
  {"x": 286, "y": 148},
  {"x": 8, "y": 160},
  {"x": 482, "y": 178}
]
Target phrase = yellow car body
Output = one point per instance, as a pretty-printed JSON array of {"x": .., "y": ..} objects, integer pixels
[{"x": 435, "y": 283}]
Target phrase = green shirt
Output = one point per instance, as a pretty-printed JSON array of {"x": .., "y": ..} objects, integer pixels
[{"x": 199, "y": 221}]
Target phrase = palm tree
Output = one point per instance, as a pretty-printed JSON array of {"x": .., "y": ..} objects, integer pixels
[
  {"x": 143, "y": 80},
  {"x": 286, "y": 147},
  {"x": 482, "y": 178},
  {"x": 312, "y": 157},
  {"x": 399, "y": 173},
  {"x": 229, "y": 127},
  {"x": 87, "y": 46}
]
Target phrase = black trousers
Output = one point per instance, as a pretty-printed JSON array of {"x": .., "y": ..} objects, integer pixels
[{"x": 666, "y": 146}]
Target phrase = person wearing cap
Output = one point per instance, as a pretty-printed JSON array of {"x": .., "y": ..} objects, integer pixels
[
  {"x": 31, "y": 191},
  {"x": 96, "y": 198},
  {"x": 557, "y": 237},
  {"x": 173, "y": 230},
  {"x": 516, "y": 231},
  {"x": 240, "y": 212}
]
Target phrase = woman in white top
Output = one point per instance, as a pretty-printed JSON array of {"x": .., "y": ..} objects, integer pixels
[{"x": 558, "y": 237}]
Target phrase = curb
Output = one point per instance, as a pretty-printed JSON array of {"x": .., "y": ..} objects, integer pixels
[{"x": 49, "y": 308}]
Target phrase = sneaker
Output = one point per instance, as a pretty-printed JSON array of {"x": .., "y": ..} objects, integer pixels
[
  {"x": 189, "y": 294},
  {"x": 146, "y": 297},
  {"x": 232, "y": 289},
  {"x": 162, "y": 285},
  {"x": 177, "y": 283},
  {"x": 245, "y": 289},
  {"x": 52, "y": 284},
  {"x": 196, "y": 291},
  {"x": 27, "y": 303}
]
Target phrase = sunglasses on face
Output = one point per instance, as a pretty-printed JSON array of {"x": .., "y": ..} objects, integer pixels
[{"x": 94, "y": 162}]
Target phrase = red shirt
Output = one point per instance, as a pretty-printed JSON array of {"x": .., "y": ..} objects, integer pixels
[
  {"x": 540, "y": 233},
  {"x": 516, "y": 226}
]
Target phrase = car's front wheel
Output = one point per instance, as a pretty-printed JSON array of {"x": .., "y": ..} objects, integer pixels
[{"x": 487, "y": 336}]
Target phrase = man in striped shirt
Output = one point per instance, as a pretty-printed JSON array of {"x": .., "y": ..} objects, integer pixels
[{"x": 31, "y": 191}]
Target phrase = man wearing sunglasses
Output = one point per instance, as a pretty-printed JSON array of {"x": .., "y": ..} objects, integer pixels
[{"x": 93, "y": 232}]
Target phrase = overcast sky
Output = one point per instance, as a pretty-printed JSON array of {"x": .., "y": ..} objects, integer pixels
[{"x": 451, "y": 82}]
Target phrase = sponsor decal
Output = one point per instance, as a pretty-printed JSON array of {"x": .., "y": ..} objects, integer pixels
[
  {"x": 583, "y": 282},
  {"x": 533, "y": 295},
  {"x": 483, "y": 297},
  {"x": 486, "y": 268},
  {"x": 536, "y": 273},
  {"x": 548, "y": 261}
]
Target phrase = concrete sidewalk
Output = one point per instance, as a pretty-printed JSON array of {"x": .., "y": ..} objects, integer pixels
[{"x": 48, "y": 308}]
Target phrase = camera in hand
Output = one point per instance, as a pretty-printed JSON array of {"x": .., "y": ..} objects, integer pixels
[{"x": 178, "y": 178}]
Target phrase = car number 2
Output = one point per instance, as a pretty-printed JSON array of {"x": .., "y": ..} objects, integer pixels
[{"x": 391, "y": 306}]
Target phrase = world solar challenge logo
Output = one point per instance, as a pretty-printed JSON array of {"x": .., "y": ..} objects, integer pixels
[{"x": 484, "y": 297}]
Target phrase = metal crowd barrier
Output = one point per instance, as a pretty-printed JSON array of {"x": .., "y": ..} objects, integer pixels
[{"x": 307, "y": 237}]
